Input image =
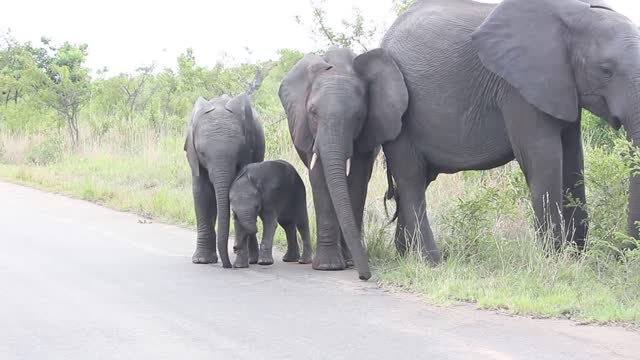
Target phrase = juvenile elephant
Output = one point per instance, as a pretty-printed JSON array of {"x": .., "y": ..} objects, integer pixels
[
  {"x": 274, "y": 191},
  {"x": 489, "y": 83},
  {"x": 223, "y": 136},
  {"x": 338, "y": 107}
]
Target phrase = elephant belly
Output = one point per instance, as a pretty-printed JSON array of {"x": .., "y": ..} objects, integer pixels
[{"x": 450, "y": 146}]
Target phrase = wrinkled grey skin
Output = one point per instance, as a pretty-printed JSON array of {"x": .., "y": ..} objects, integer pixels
[
  {"x": 273, "y": 191},
  {"x": 490, "y": 83},
  {"x": 338, "y": 108},
  {"x": 223, "y": 136}
]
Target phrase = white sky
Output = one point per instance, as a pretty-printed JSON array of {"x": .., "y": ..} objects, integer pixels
[{"x": 125, "y": 34}]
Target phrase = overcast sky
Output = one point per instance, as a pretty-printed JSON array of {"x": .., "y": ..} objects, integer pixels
[{"x": 124, "y": 34}]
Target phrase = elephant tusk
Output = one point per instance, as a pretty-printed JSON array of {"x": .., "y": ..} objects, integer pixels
[
  {"x": 314, "y": 158},
  {"x": 348, "y": 166}
]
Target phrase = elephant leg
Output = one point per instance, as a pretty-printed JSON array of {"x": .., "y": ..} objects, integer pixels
[
  {"x": 241, "y": 247},
  {"x": 537, "y": 145},
  {"x": 328, "y": 251},
  {"x": 269, "y": 225},
  {"x": 400, "y": 240},
  {"x": 574, "y": 212},
  {"x": 361, "y": 168},
  {"x": 204, "y": 201},
  {"x": 303, "y": 228},
  {"x": 411, "y": 184},
  {"x": 293, "y": 250},
  {"x": 253, "y": 249}
]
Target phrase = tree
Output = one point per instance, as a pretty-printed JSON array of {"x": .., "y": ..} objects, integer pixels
[
  {"x": 133, "y": 89},
  {"x": 401, "y": 5},
  {"x": 19, "y": 72},
  {"x": 355, "y": 34},
  {"x": 69, "y": 85}
]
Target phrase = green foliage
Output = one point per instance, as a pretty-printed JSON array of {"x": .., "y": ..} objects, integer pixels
[
  {"x": 46, "y": 152},
  {"x": 355, "y": 33},
  {"x": 402, "y": 5}
]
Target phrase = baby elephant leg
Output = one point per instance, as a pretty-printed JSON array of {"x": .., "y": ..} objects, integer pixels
[
  {"x": 307, "y": 252},
  {"x": 269, "y": 224},
  {"x": 253, "y": 249},
  {"x": 293, "y": 251},
  {"x": 241, "y": 248}
]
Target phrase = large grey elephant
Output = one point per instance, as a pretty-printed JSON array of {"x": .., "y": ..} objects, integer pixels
[
  {"x": 489, "y": 83},
  {"x": 223, "y": 136},
  {"x": 338, "y": 107}
]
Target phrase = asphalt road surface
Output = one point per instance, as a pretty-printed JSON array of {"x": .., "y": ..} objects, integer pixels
[{"x": 79, "y": 281}]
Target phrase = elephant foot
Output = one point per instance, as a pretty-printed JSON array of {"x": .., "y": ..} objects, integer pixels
[
  {"x": 204, "y": 256},
  {"x": 265, "y": 258},
  {"x": 253, "y": 261},
  {"x": 305, "y": 259},
  {"x": 240, "y": 264},
  {"x": 350, "y": 263},
  {"x": 242, "y": 261},
  {"x": 291, "y": 257},
  {"x": 329, "y": 258}
]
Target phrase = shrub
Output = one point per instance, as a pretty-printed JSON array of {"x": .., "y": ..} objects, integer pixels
[{"x": 47, "y": 152}]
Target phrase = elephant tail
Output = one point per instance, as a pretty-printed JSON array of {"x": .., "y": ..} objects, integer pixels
[{"x": 391, "y": 193}]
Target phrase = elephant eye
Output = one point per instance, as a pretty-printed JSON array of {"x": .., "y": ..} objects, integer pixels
[
  {"x": 606, "y": 70},
  {"x": 313, "y": 110}
]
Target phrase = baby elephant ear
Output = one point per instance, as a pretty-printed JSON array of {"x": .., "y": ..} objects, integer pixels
[
  {"x": 388, "y": 98},
  {"x": 200, "y": 107}
]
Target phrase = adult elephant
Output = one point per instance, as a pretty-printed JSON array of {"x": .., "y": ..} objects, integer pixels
[
  {"x": 223, "y": 136},
  {"x": 490, "y": 83},
  {"x": 338, "y": 107}
]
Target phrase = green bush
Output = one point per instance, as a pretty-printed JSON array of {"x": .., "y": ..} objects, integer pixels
[{"x": 47, "y": 152}]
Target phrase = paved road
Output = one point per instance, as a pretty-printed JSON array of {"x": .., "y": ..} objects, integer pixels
[{"x": 78, "y": 281}]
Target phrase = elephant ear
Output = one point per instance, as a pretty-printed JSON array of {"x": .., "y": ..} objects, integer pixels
[
  {"x": 526, "y": 43},
  {"x": 241, "y": 107},
  {"x": 294, "y": 92},
  {"x": 200, "y": 107},
  {"x": 388, "y": 98}
]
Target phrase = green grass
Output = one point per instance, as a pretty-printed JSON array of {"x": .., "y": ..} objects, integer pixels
[{"x": 482, "y": 222}]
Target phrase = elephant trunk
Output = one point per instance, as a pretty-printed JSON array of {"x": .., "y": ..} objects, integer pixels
[
  {"x": 221, "y": 176},
  {"x": 334, "y": 163},
  {"x": 248, "y": 220}
]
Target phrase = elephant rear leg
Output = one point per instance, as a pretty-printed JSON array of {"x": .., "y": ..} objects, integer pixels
[
  {"x": 413, "y": 224},
  {"x": 303, "y": 228},
  {"x": 204, "y": 201},
  {"x": 293, "y": 250}
]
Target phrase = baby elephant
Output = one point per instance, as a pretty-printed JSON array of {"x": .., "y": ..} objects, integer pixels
[{"x": 274, "y": 191}]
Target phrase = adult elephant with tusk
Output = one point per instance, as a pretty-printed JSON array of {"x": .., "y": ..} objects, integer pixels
[{"x": 338, "y": 107}]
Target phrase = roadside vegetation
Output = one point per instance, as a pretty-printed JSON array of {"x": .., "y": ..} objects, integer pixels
[{"x": 118, "y": 141}]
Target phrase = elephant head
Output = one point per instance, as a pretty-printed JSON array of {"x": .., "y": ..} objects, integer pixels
[
  {"x": 564, "y": 55},
  {"x": 338, "y": 104},
  {"x": 245, "y": 205}
]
